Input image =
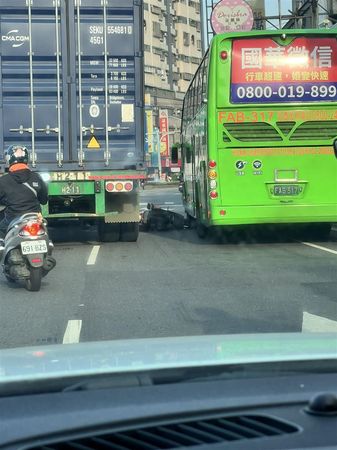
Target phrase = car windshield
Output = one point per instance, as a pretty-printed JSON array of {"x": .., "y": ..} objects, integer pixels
[{"x": 178, "y": 165}]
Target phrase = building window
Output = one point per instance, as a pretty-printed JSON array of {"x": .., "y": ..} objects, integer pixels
[
  {"x": 184, "y": 58},
  {"x": 156, "y": 29},
  {"x": 181, "y": 19},
  {"x": 186, "y": 38},
  {"x": 198, "y": 44},
  {"x": 195, "y": 60},
  {"x": 155, "y": 10},
  {"x": 192, "y": 39},
  {"x": 187, "y": 76}
]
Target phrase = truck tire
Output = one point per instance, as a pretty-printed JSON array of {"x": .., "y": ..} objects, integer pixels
[
  {"x": 129, "y": 232},
  {"x": 108, "y": 232}
]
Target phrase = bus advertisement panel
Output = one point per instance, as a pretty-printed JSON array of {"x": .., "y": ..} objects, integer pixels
[{"x": 264, "y": 71}]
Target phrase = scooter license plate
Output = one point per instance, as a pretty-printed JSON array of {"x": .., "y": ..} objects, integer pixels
[{"x": 29, "y": 248}]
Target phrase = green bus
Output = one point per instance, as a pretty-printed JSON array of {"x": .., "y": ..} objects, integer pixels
[{"x": 259, "y": 131}]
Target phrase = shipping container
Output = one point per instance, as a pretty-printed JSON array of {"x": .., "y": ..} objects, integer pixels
[{"x": 72, "y": 92}]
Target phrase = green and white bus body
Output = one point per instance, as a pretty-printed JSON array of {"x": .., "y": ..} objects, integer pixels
[{"x": 259, "y": 130}]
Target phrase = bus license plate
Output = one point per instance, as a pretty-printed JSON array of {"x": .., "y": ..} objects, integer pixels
[
  {"x": 287, "y": 189},
  {"x": 29, "y": 248}
]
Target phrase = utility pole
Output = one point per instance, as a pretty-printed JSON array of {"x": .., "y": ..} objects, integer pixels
[
  {"x": 314, "y": 7},
  {"x": 279, "y": 15}
]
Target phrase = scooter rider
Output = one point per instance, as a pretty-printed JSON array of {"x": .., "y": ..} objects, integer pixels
[{"x": 21, "y": 190}]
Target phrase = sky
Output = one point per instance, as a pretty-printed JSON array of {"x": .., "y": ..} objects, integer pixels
[{"x": 271, "y": 6}]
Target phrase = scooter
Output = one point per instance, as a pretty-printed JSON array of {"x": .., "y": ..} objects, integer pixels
[{"x": 26, "y": 252}]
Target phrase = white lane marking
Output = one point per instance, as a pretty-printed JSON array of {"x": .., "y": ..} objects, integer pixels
[
  {"x": 93, "y": 255},
  {"x": 168, "y": 203},
  {"x": 317, "y": 324},
  {"x": 319, "y": 247},
  {"x": 73, "y": 331}
]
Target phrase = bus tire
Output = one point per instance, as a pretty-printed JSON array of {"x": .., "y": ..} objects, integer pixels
[
  {"x": 108, "y": 232},
  {"x": 319, "y": 230},
  {"x": 202, "y": 230},
  {"x": 129, "y": 232}
]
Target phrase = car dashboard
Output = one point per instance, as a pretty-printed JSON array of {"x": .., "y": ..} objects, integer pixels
[{"x": 290, "y": 411}]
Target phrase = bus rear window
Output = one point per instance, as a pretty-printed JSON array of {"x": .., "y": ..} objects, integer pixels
[{"x": 264, "y": 71}]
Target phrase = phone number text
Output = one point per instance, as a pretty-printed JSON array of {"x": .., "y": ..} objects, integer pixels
[{"x": 284, "y": 93}]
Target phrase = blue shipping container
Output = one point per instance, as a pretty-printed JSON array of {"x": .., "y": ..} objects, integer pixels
[{"x": 72, "y": 82}]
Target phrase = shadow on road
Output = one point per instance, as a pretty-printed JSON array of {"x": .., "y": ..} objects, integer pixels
[
  {"x": 73, "y": 232},
  {"x": 245, "y": 235},
  {"x": 76, "y": 233}
]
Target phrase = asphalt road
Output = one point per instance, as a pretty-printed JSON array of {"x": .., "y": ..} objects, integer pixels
[{"x": 172, "y": 284}]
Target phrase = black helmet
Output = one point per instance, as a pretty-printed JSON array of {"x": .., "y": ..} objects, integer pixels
[{"x": 16, "y": 154}]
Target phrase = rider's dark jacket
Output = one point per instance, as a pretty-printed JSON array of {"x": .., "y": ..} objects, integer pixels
[{"x": 20, "y": 198}]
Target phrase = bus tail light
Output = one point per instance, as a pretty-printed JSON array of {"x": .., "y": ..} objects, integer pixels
[
  {"x": 212, "y": 184},
  {"x": 213, "y": 195},
  {"x": 212, "y": 164},
  {"x": 224, "y": 55},
  {"x": 212, "y": 174}
]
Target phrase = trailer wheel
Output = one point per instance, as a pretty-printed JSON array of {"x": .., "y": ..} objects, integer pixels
[
  {"x": 129, "y": 232},
  {"x": 108, "y": 232}
]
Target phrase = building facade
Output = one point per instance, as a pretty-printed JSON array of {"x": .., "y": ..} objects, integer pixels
[{"x": 172, "y": 53}]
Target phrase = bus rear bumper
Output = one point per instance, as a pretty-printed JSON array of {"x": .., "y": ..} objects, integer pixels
[{"x": 250, "y": 215}]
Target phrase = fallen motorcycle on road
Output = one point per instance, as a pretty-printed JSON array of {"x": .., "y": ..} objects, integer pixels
[
  {"x": 26, "y": 252},
  {"x": 155, "y": 217}
]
